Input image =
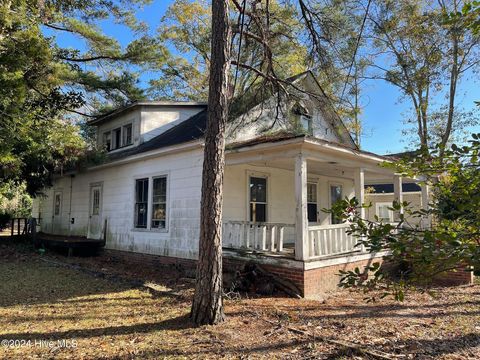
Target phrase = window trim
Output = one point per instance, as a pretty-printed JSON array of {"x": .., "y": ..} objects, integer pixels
[
  {"x": 150, "y": 178},
  {"x": 330, "y": 184},
  {"x": 384, "y": 203},
  {"x": 257, "y": 174},
  {"x": 166, "y": 203},
  {"x": 135, "y": 227},
  {"x": 60, "y": 208},
  {"x": 122, "y": 130},
  {"x": 316, "y": 199}
]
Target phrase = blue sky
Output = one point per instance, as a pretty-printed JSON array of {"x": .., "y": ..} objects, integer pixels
[{"x": 383, "y": 113}]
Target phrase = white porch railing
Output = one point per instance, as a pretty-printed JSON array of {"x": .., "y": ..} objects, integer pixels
[
  {"x": 265, "y": 237},
  {"x": 326, "y": 240}
]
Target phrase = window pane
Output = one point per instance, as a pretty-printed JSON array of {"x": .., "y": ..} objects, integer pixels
[
  {"x": 335, "y": 195},
  {"x": 258, "y": 189},
  {"x": 127, "y": 135},
  {"x": 384, "y": 212},
  {"x": 58, "y": 200},
  {"x": 141, "y": 215},
  {"x": 159, "y": 203},
  {"x": 258, "y": 212},
  {"x": 312, "y": 193},
  {"x": 96, "y": 202},
  {"x": 312, "y": 212},
  {"x": 141, "y": 203},
  {"x": 117, "y": 138}
]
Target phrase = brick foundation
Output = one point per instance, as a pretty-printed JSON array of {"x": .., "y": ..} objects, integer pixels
[
  {"x": 312, "y": 283},
  {"x": 455, "y": 278}
]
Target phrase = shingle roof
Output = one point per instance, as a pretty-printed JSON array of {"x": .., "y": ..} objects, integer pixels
[{"x": 191, "y": 129}]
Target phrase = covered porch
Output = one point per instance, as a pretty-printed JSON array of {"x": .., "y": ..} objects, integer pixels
[{"x": 275, "y": 192}]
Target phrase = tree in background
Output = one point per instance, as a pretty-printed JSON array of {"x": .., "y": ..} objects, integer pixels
[
  {"x": 42, "y": 83},
  {"x": 425, "y": 53}
]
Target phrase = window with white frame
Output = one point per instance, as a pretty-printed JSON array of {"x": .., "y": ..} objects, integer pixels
[
  {"x": 127, "y": 135},
  {"x": 383, "y": 212},
  {"x": 335, "y": 196},
  {"x": 151, "y": 203},
  {"x": 141, "y": 203},
  {"x": 258, "y": 199},
  {"x": 159, "y": 203},
  {"x": 312, "y": 207},
  {"x": 118, "y": 137}
]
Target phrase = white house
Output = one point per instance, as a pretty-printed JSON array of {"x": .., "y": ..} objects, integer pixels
[{"x": 146, "y": 197}]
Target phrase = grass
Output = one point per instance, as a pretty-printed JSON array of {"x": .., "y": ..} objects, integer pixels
[{"x": 101, "y": 306}]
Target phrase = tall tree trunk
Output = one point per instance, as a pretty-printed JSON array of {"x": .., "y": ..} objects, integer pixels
[{"x": 207, "y": 306}]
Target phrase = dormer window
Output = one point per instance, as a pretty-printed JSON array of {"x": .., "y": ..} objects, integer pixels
[
  {"x": 303, "y": 117},
  {"x": 118, "y": 138}
]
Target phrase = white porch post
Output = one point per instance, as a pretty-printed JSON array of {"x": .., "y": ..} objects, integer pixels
[
  {"x": 425, "y": 191},
  {"x": 301, "y": 224},
  {"x": 359, "y": 181},
  {"x": 426, "y": 221},
  {"x": 397, "y": 195}
]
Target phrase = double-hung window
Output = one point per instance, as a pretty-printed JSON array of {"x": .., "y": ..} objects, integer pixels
[
  {"x": 141, "y": 203},
  {"x": 159, "y": 203},
  {"x": 383, "y": 211},
  {"x": 118, "y": 137},
  {"x": 258, "y": 199},
  {"x": 335, "y": 196},
  {"x": 127, "y": 135},
  {"x": 151, "y": 203},
  {"x": 312, "y": 207}
]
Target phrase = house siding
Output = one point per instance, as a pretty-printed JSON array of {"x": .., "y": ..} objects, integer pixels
[{"x": 180, "y": 239}]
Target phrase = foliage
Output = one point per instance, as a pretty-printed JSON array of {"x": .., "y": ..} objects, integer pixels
[
  {"x": 14, "y": 202},
  {"x": 43, "y": 83},
  {"x": 424, "y": 251},
  {"x": 425, "y": 50}
]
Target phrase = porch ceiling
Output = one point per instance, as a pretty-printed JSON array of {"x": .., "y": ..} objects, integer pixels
[{"x": 315, "y": 167}]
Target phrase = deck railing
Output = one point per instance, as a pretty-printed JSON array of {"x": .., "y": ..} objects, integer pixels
[
  {"x": 326, "y": 240},
  {"x": 265, "y": 237}
]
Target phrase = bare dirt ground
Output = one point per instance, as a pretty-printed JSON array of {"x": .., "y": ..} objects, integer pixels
[{"x": 100, "y": 308}]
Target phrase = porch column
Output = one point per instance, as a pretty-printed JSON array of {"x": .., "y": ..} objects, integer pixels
[
  {"x": 426, "y": 220},
  {"x": 397, "y": 195},
  {"x": 425, "y": 193},
  {"x": 359, "y": 180},
  {"x": 301, "y": 223}
]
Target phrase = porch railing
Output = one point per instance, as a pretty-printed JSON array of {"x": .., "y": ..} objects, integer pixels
[
  {"x": 265, "y": 237},
  {"x": 326, "y": 240}
]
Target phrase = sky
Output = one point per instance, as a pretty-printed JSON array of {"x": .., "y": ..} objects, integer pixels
[{"x": 384, "y": 111}]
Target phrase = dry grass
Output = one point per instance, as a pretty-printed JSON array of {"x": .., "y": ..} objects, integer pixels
[{"x": 112, "y": 317}]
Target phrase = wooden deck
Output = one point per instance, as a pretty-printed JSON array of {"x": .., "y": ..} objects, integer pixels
[{"x": 70, "y": 242}]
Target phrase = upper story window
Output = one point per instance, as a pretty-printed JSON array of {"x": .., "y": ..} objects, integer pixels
[
  {"x": 127, "y": 135},
  {"x": 118, "y": 138},
  {"x": 303, "y": 117}
]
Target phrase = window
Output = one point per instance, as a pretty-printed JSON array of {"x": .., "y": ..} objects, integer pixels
[
  {"x": 306, "y": 122},
  {"x": 335, "y": 195},
  {"x": 383, "y": 212},
  {"x": 159, "y": 203},
  {"x": 96, "y": 202},
  {"x": 107, "y": 140},
  {"x": 258, "y": 199},
  {"x": 117, "y": 138},
  {"x": 127, "y": 135},
  {"x": 312, "y": 202},
  {"x": 141, "y": 203},
  {"x": 58, "y": 204}
]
